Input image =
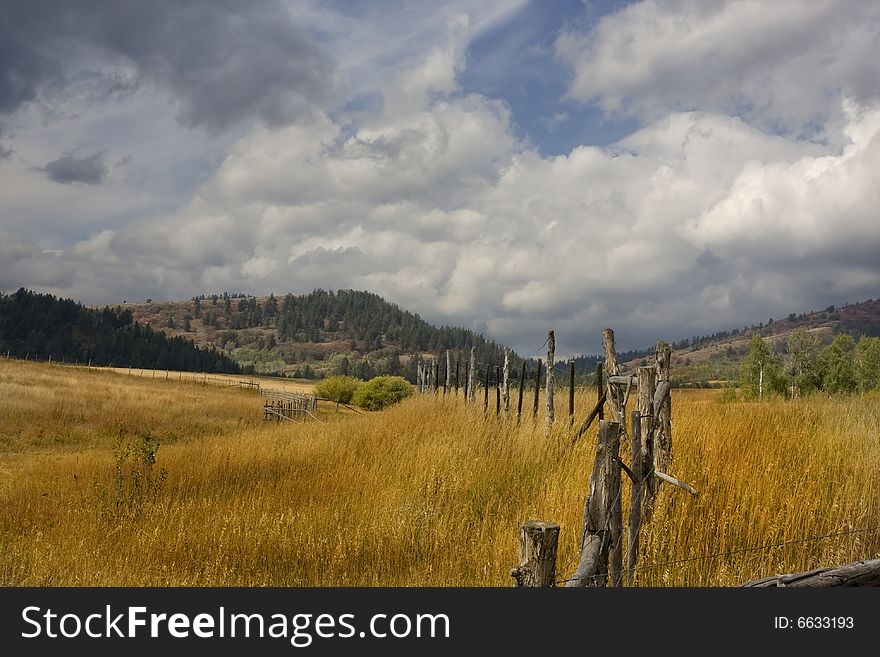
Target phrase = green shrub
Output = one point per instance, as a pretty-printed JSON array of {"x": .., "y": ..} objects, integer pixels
[
  {"x": 382, "y": 391},
  {"x": 338, "y": 388}
]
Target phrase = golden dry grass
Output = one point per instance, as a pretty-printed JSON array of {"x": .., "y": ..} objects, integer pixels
[{"x": 425, "y": 493}]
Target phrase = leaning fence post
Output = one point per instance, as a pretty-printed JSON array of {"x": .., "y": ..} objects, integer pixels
[
  {"x": 597, "y": 538},
  {"x": 571, "y": 393},
  {"x": 538, "y": 541}
]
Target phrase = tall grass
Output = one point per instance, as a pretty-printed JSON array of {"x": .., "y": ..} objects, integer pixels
[{"x": 429, "y": 492}]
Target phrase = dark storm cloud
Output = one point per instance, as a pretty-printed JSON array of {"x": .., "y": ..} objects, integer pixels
[
  {"x": 69, "y": 169},
  {"x": 222, "y": 60},
  {"x": 6, "y": 151}
]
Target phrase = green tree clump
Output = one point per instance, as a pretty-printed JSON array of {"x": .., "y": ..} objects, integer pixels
[
  {"x": 867, "y": 363},
  {"x": 838, "y": 365},
  {"x": 338, "y": 388},
  {"x": 382, "y": 391},
  {"x": 761, "y": 371},
  {"x": 802, "y": 362}
]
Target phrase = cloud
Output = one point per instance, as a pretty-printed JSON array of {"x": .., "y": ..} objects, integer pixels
[
  {"x": 69, "y": 169},
  {"x": 697, "y": 221},
  {"x": 220, "y": 61},
  {"x": 782, "y": 65}
]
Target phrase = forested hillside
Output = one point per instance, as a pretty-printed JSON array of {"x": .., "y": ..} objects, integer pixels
[
  {"x": 39, "y": 326},
  {"x": 316, "y": 334}
]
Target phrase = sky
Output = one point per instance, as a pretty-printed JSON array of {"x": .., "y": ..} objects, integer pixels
[{"x": 667, "y": 169}]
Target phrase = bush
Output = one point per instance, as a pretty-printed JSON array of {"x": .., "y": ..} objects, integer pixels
[
  {"x": 382, "y": 391},
  {"x": 338, "y": 388}
]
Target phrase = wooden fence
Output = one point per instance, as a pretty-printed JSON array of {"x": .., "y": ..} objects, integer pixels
[
  {"x": 286, "y": 405},
  {"x": 609, "y": 549}
]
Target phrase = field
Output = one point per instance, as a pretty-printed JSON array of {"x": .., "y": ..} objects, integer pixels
[{"x": 426, "y": 493}]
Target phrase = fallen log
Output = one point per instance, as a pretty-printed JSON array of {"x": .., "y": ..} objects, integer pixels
[{"x": 859, "y": 573}]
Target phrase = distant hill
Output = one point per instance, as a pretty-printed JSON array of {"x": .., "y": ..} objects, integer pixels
[
  {"x": 39, "y": 326},
  {"x": 716, "y": 357},
  {"x": 316, "y": 334},
  {"x": 360, "y": 333}
]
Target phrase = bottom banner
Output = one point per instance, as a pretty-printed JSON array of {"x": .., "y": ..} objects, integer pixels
[{"x": 431, "y": 621}]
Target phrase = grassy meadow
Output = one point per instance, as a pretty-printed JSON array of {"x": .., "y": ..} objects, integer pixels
[{"x": 425, "y": 493}]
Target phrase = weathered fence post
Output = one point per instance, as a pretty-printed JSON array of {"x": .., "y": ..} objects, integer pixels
[
  {"x": 522, "y": 384},
  {"x": 486, "y": 390},
  {"x": 537, "y": 554},
  {"x": 466, "y": 381},
  {"x": 457, "y": 369},
  {"x": 551, "y": 354},
  {"x": 571, "y": 393},
  {"x": 634, "y": 523},
  {"x": 472, "y": 375},
  {"x": 505, "y": 385},
  {"x": 615, "y": 394},
  {"x": 448, "y": 377},
  {"x": 436, "y": 381},
  {"x": 617, "y": 402},
  {"x": 497, "y": 390},
  {"x": 597, "y": 538},
  {"x": 537, "y": 388},
  {"x": 642, "y": 463},
  {"x": 600, "y": 389},
  {"x": 663, "y": 428}
]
